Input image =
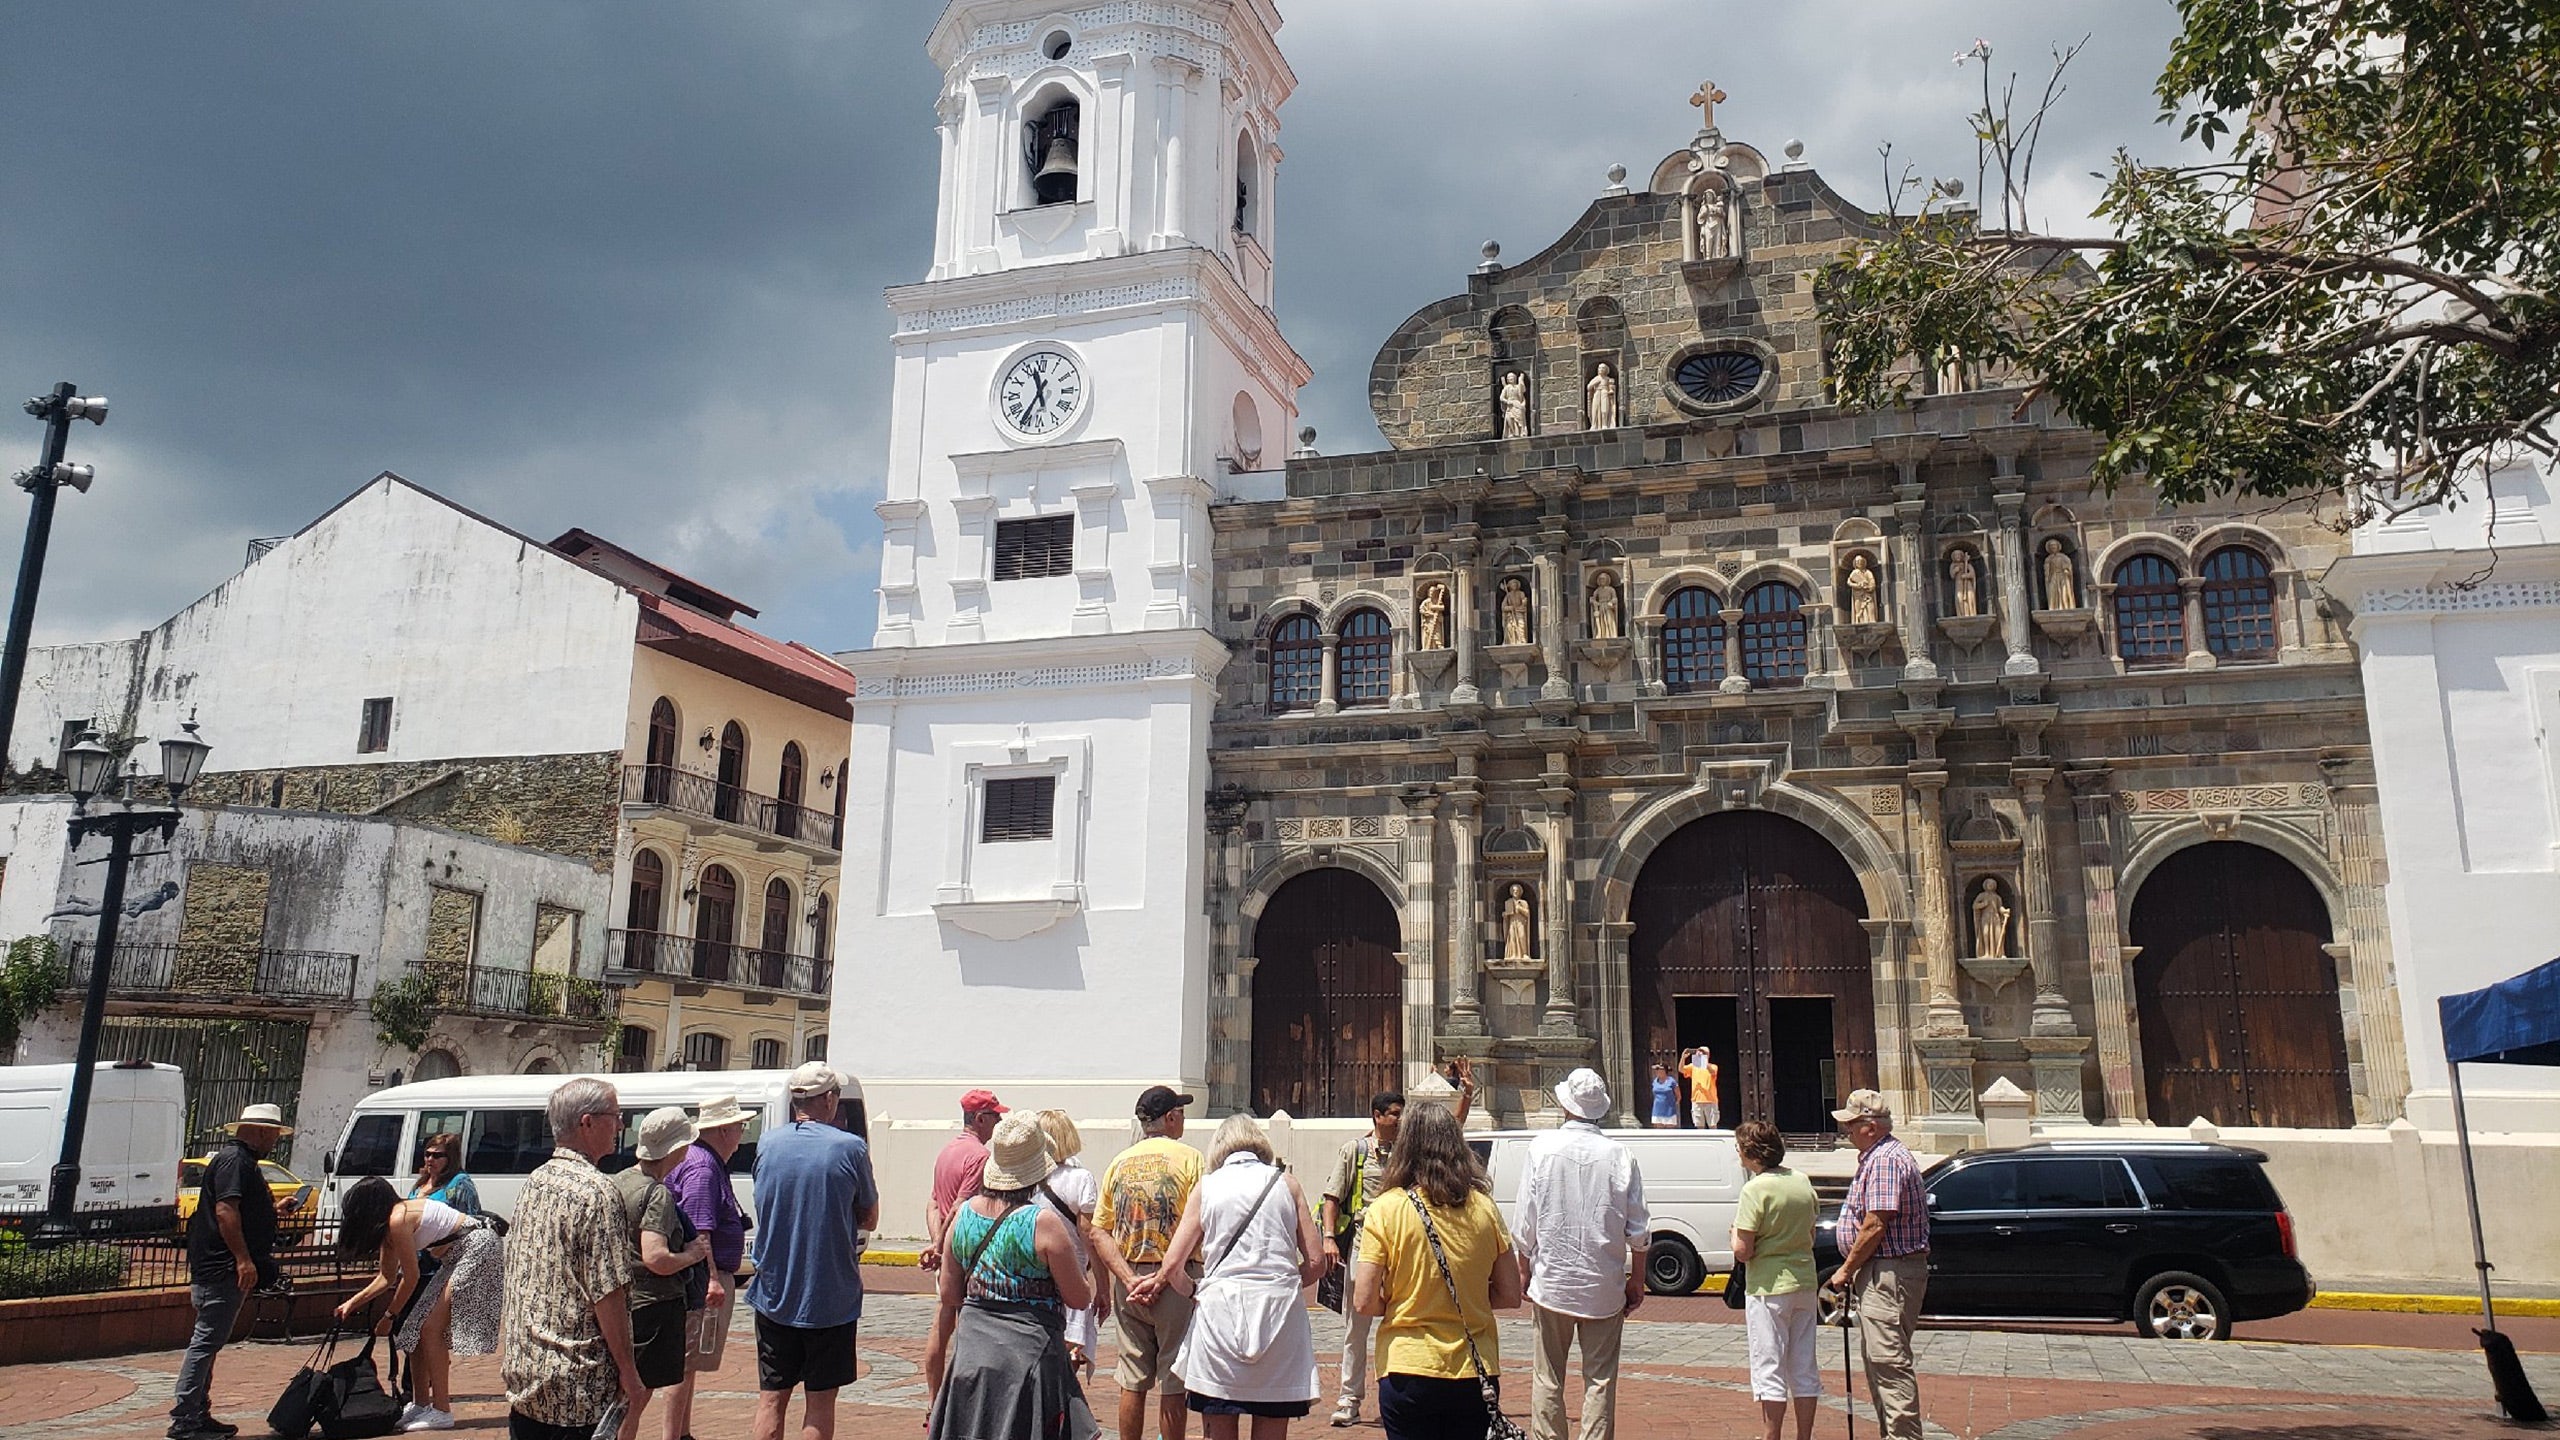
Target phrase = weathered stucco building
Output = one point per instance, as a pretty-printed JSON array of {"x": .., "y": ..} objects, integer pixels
[{"x": 1638, "y": 698}]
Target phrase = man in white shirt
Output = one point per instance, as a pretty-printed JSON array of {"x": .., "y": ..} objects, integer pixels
[{"x": 1581, "y": 1234}]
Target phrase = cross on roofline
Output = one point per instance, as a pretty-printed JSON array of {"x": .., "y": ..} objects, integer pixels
[{"x": 1707, "y": 99}]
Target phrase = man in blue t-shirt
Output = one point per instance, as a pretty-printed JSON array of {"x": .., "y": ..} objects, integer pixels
[{"x": 814, "y": 1199}]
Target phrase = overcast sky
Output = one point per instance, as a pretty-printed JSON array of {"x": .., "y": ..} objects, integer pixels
[{"x": 619, "y": 264}]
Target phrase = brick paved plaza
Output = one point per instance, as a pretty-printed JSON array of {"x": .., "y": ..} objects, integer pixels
[{"x": 1684, "y": 1376}]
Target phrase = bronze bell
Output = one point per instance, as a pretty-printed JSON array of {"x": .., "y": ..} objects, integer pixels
[{"x": 1055, "y": 184}]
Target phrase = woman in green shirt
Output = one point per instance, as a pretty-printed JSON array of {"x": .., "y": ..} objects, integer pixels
[{"x": 1773, "y": 1240}]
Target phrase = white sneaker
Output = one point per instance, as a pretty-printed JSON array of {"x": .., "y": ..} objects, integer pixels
[
  {"x": 431, "y": 1420},
  {"x": 408, "y": 1412},
  {"x": 1346, "y": 1414}
]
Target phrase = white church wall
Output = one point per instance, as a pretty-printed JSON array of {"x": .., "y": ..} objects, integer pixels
[
  {"x": 86, "y": 684},
  {"x": 2461, "y": 657}
]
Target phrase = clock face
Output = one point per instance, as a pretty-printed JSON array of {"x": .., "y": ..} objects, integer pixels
[{"x": 1041, "y": 393}]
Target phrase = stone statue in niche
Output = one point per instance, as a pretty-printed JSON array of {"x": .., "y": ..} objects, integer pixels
[
  {"x": 1516, "y": 915},
  {"x": 1600, "y": 400},
  {"x": 1715, "y": 226},
  {"x": 1990, "y": 923},
  {"x": 1515, "y": 406},
  {"x": 1515, "y": 612},
  {"x": 1951, "y": 375},
  {"x": 1435, "y": 616},
  {"x": 1608, "y": 621},
  {"x": 1862, "y": 591},
  {"x": 2061, "y": 588},
  {"x": 1960, "y": 568}
]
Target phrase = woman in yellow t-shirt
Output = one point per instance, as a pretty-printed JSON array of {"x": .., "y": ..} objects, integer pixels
[{"x": 1427, "y": 1377}]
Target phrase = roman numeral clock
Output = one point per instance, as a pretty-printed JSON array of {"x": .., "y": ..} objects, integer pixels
[{"x": 1041, "y": 394}]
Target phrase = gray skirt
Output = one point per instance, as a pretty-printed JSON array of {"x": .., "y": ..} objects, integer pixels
[
  {"x": 1009, "y": 1379},
  {"x": 472, "y": 1273}
]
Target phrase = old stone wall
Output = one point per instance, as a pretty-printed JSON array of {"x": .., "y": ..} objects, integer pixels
[{"x": 563, "y": 804}]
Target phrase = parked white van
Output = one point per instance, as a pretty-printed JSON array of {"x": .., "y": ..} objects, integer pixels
[
  {"x": 128, "y": 1159},
  {"x": 1692, "y": 1180},
  {"x": 506, "y": 1131}
]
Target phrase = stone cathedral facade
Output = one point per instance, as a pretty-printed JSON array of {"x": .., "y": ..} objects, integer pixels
[{"x": 1638, "y": 698}]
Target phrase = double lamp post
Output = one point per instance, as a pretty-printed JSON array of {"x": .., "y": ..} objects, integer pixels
[{"x": 92, "y": 768}]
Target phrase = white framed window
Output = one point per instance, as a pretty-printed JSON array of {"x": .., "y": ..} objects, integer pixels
[{"x": 1014, "y": 856}]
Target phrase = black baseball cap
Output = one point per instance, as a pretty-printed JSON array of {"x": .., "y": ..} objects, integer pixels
[{"x": 1160, "y": 1101}]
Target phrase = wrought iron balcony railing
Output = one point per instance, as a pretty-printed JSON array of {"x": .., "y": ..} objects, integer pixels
[
  {"x": 467, "y": 989},
  {"x": 705, "y": 796},
  {"x": 197, "y": 970},
  {"x": 657, "y": 955}
]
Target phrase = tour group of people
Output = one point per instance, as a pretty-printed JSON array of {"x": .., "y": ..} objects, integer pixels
[{"x": 609, "y": 1293}]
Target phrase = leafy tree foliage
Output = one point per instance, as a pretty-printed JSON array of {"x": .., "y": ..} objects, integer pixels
[{"x": 2350, "y": 296}]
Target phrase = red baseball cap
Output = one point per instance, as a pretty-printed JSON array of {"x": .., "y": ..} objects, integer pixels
[{"x": 980, "y": 1102}]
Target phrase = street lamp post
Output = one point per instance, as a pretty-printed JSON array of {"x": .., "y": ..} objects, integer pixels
[
  {"x": 91, "y": 765},
  {"x": 57, "y": 411}
]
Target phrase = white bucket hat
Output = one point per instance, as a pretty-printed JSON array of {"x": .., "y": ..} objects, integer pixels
[
  {"x": 663, "y": 1132},
  {"x": 1584, "y": 1095},
  {"x": 720, "y": 1110}
]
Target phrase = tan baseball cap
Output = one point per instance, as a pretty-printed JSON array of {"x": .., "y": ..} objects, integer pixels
[{"x": 1864, "y": 1105}]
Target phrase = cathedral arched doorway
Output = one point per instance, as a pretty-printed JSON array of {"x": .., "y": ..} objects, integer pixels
[
  {"x": 1328, "y": 997},
  {"x": 1748, "y": 940},
  {"x": 2237, "y": 993}
]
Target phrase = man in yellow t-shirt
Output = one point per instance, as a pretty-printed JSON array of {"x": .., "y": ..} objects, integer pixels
[{"x": 1143, "y": 1194}]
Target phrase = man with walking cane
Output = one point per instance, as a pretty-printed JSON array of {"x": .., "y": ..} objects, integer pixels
[{"x": 1884, "y": 1265}]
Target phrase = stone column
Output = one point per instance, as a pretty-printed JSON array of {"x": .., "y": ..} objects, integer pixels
[
  {"x": 1462, "y": 632},
  {"x": 1555, "y": 489},
  {"x": 1466, "y": 927},
  {"x": 2191, "y": 595},
  {"x": 2111, "y": 994},
  {"x": 1617, "y": 1026},
  {"x": 2054, "y": 1043},
  {"x": 2377, "y": 1050},
  {"x": 2009, "y": 553},
  {"x": 2293, "y": 637},
  {"x": 1735, "y": 682},
  {"x": 1563, "y": 1016},
  {"x": 1173, "y": 92},
  {"x": 1911, "y": 573},
  {"x": 1945, "y": 1044},
  {"x": 1328, "y": 690}
]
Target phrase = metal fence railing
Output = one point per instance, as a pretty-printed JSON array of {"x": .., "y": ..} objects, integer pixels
[
  {"x": 468, "y": 989},
  {"x": 719, "y": 962},
  {"x": 306, "y": 1255},
  {"x": 226, "y": 971},
  {"x": 705, "y": 796}
]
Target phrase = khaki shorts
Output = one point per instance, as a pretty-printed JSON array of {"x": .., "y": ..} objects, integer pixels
[
  {"x": 1149, "y": 1336},
  {"x": 710, "y": 1338}
]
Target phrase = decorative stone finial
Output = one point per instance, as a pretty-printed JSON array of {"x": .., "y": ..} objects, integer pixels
[
  {"x": 1707, "y": 99},
  {"x": 1306, "y": 444},
  {"x": 1492, "y": 258},
  {"x": 1795, "y": 149},
  {"x": 1617, "y": 180}
]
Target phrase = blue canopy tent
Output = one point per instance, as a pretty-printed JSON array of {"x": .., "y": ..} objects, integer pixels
[{"x": 2514, "y": 1022}]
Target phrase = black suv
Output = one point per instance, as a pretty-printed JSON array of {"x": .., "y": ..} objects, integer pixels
[{"x": 2183, "y": 1239}]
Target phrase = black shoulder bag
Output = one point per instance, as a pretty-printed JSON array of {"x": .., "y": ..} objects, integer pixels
[{"x": 1497, "y": 1426}]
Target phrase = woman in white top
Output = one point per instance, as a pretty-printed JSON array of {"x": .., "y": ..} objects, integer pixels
[
  {"x": 1072, "y": 1191},
  {"x": 1248, "y": 1351},
  {"x": 442, "y": 1270}
]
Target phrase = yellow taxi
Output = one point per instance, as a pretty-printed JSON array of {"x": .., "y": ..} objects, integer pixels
[{"x": 295, "y": 1211}]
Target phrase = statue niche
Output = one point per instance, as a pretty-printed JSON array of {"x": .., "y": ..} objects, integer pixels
[
  {"x": 1990, "y": 922},
  {"x": 1515, "y": 406},
  {"x": 2061, "y": 581},
  {"x": 1515, "y": 612},
  {"x": 1518, "y": 928},
  {"x": 1600, "y": 400},
  {"x": 1608, "y": 618},
  {"x": 1865, "y": 608},
  {"x": 1966, "y": 578},
  {"x": 1434, "y": 615}
]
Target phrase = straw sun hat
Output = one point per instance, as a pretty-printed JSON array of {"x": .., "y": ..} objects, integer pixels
[{"x": 1017, "y": 1155}]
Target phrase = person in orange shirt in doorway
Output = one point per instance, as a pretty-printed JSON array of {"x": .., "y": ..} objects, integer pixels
[{"x": 1699, "y": 1069}]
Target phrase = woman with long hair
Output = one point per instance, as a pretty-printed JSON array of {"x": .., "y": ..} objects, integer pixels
[
  {"x": 441, "y": 1177},
  {"x": 1073, "y": 1192},
  {"x": 1248, "y": 1351},
  {"x": 1008, "y": 1278},
  {"x": 1434, "y": 1264},
  {"x": 1773, "y": 1242},
  {"x": 442, "y": 1271}
]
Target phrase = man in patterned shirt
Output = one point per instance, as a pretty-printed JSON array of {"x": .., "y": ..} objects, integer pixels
[
  {"x": 1884, "y": 1262},
  {"x": 1143, "y": 1195},
  {"x": 566, "y": 1321}
]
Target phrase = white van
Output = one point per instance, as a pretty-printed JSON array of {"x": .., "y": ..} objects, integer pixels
[
  {"x": 506, "y": 1131},
  {"x": 1692, "y": 1180},
  {"x": 128, "y": 1159}
]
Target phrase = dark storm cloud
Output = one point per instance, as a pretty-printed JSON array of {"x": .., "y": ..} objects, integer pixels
[{"x": 619, "y": 265}]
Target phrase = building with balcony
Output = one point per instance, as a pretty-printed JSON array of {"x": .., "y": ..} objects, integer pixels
[
  {"x": 254, "y": 941},
  {"x": 407, "y": 661}
]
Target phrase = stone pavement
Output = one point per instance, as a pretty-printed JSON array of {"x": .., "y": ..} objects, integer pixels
[{"x": 1681, "y": 1378}]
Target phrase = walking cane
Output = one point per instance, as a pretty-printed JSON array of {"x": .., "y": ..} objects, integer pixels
[{"x": 1848, "y": 1393}]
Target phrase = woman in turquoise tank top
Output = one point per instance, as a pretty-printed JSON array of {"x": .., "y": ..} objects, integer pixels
[{"x": 1008, "y": 1278}]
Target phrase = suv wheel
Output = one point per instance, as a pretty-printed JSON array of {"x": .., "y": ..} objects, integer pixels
[
  {"x": 1672, "y": 1268},
  {"x": 2175, "y": 1305}
]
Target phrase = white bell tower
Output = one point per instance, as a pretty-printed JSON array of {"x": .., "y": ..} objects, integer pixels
[{"x": 1091, "y": 358}]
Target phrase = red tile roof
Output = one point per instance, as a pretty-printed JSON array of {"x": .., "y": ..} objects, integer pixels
[{"x": 787, "y": 668}]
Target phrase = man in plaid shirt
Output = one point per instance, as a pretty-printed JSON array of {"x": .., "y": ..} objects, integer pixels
[{"x": 1884, "y": 1263}]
